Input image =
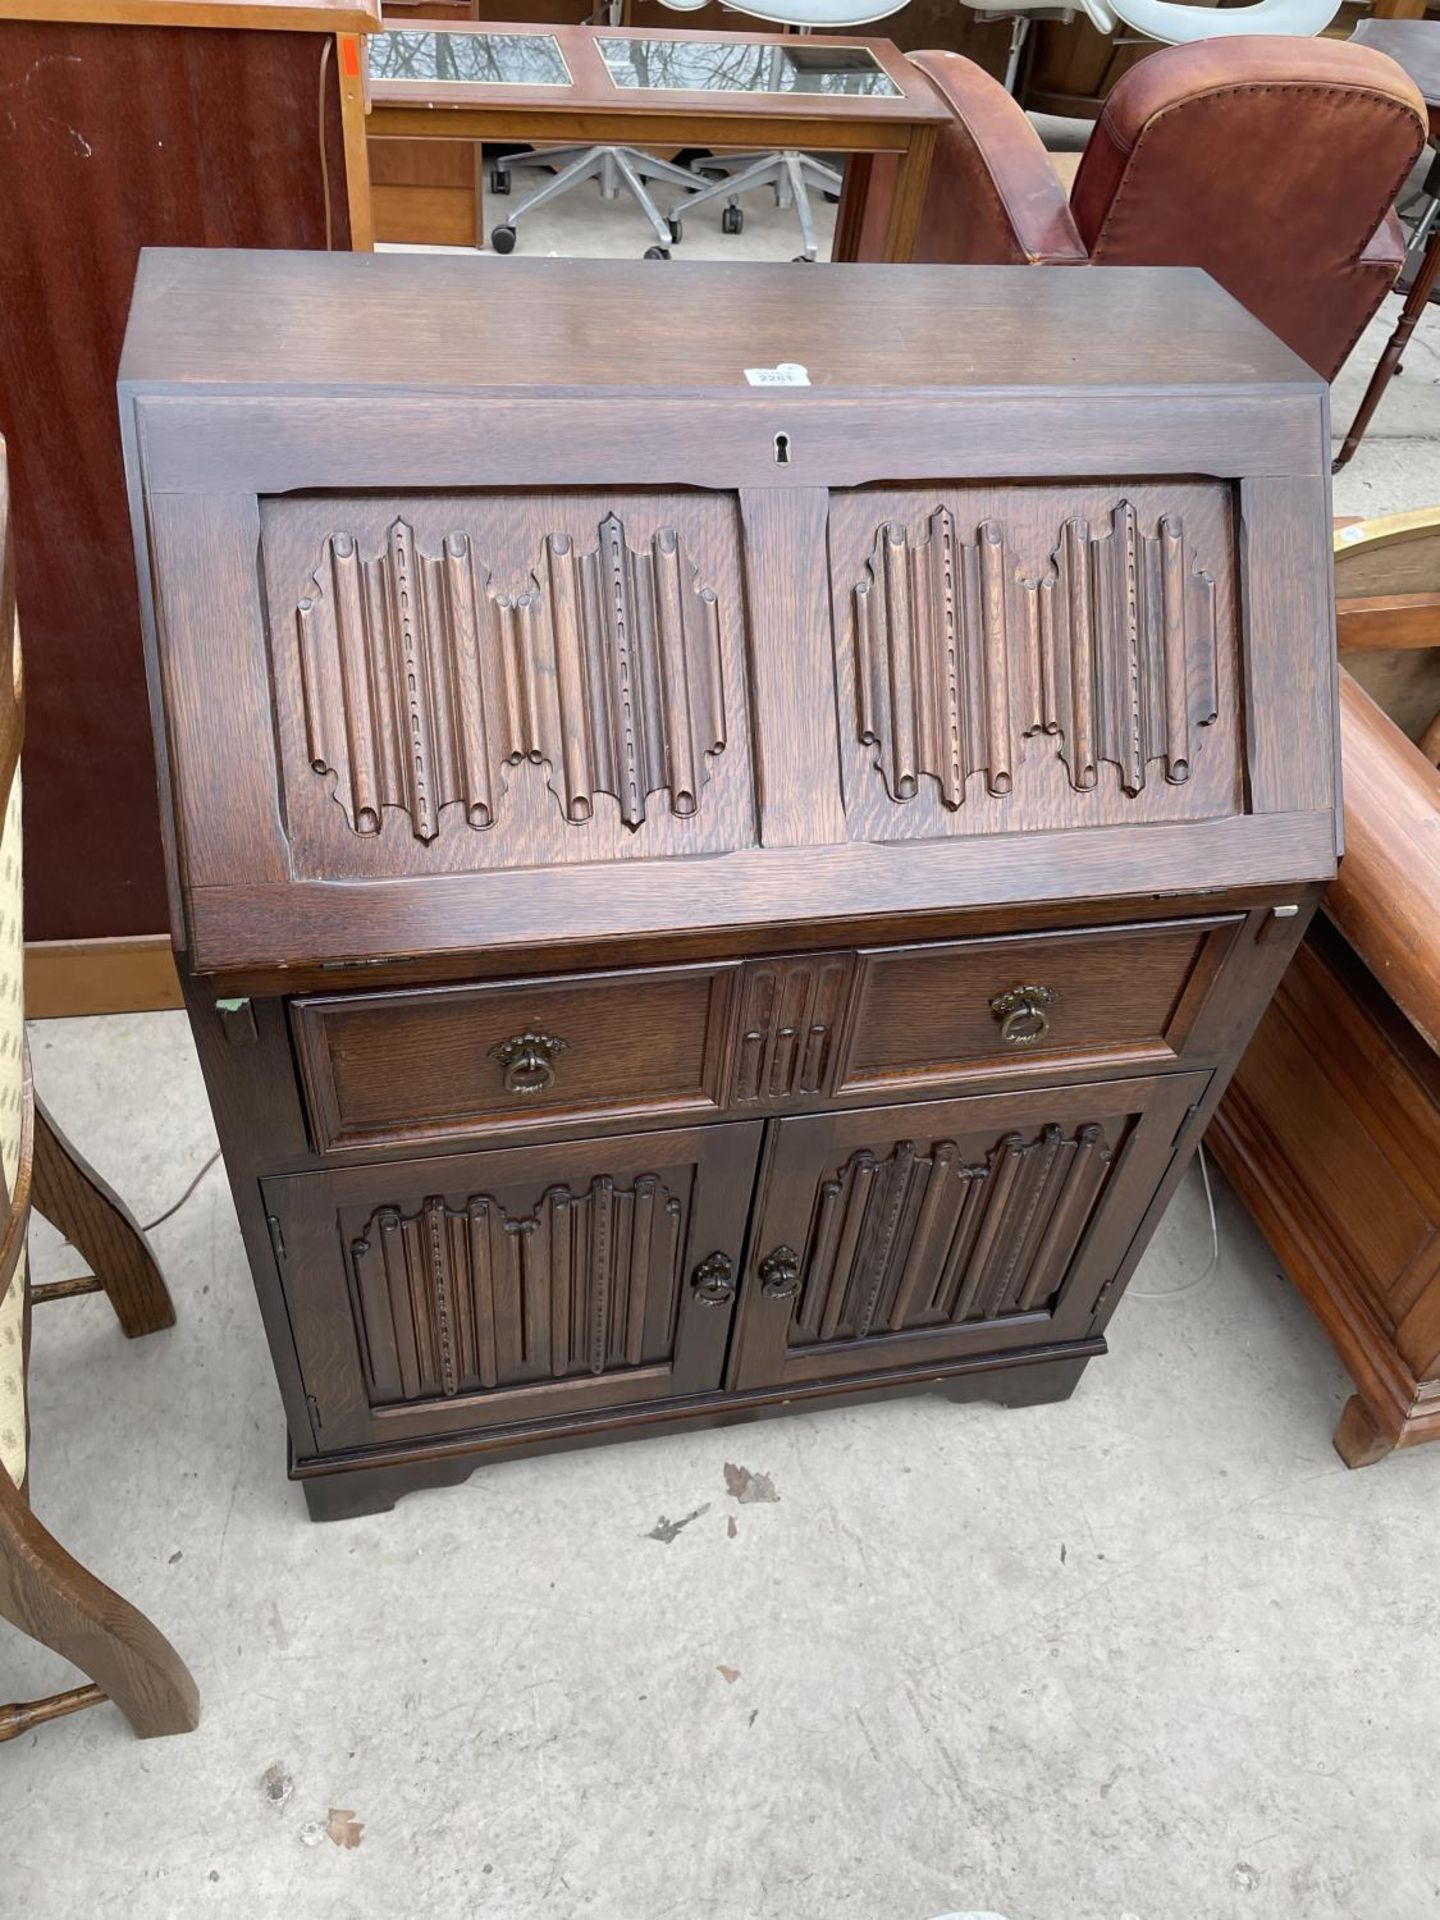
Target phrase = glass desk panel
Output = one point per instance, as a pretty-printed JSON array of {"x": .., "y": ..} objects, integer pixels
[
  {"x": 470, "y": 59},
  {"x": 730, "y": 66}
]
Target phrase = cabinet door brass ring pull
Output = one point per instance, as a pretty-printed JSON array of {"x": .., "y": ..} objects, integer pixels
[
  {"x": 713, "y": 1281},
  {"x": 780, "y": 1274},
  {"x": 528, "y": 1061},
  {"x": 1023, "y": 1016}
]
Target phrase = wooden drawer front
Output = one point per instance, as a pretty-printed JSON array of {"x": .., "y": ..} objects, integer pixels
[
  {"x": 435, "y": 1296},
  {"x": 918, "y": 1234},
  {"x": 928, "y": 1016},
  {"x": 427, "y": 1064}
]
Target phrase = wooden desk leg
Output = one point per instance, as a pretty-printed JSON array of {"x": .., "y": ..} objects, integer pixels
[
  {"x": 357, "y": 158},
  {"x": 1415, "y": 303},
  {"x": 850, "y": 214},
  {"x": 911, "y": 180}
]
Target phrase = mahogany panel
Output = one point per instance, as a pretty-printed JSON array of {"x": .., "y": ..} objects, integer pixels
[
  {"x": 386, "y": 1067},
  {"x": 118, "y": 137}
]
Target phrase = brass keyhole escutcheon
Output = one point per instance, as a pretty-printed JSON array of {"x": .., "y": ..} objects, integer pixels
[
  {"x": 1023, "y": 1014},
  {"x": 780, "y": 1274},
  {"x": 528, "y": 1062}
]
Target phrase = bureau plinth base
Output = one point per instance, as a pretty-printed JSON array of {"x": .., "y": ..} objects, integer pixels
[{"x": 348, "y": 1486}]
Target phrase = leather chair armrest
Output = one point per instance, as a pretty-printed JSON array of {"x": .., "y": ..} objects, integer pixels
[
  {"x": 1386, "y": 246},
  {"x": 994, "y": 199},
  {"x": 1386, "y": 900}
]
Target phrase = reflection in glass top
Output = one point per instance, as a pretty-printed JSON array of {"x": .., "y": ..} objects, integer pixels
[
  {"x": 733, "y": 66},
  {"x": 478, "y": 59}
]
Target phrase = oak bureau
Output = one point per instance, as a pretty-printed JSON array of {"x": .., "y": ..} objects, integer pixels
[{"x": 697, "y": 896}]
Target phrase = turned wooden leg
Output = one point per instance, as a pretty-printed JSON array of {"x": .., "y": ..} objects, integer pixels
[
  {"x": 52, "y": 1598},
  {"x": 101, "y": 1227},
  {"x": 1360, "y": 1440},
  {"x": 1415, "y": 304}
]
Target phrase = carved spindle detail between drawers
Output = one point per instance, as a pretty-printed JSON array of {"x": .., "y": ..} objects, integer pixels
[{"x": 789, "y": 1017}]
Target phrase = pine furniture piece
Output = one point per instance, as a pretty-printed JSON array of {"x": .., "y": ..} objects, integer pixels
[
  {"x": 697, "y": 897},
  {"x": 1273, "y": 163},
  {"x": 663, "y": 89},
  {"x": 1330, "y": 1131},
  {"x": 42, "y": 1590},
  {"x": 123, "y": 124}
]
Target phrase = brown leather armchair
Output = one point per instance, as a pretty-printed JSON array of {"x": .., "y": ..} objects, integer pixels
[{"x": 1272, "y": 162}]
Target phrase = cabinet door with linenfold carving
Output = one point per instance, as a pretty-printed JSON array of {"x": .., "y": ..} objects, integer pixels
[
  {"x": 918, "y": 1235},
  {"x": 466, "y": 682},
  {"x": 1023, "y": 657},
  {"x": 527, "y": 1284}
]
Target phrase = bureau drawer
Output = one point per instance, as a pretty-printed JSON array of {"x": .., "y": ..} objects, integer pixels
[
  {"x": 945, "y": 1014},
  {"x": 461, "y": 1061}
]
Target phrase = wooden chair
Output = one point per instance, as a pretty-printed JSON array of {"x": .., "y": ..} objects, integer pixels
[
  {"x": 1330, "y": 1130},
  {"x": 42, "y": 1590}
]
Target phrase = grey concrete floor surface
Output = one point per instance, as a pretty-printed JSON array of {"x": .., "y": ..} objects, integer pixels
[{"x": 1152, "y": 1654}]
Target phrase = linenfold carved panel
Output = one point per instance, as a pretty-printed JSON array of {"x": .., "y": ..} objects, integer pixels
[
  {"x": 1119, "y": 638},
  {"x": 1001, "y": 648},
  {"x": 926, "y": 1236},
  {"x": 424, "y": 681},
  {"x": 453, "y": 1300}
]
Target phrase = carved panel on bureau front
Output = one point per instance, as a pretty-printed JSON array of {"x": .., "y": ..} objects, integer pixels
[
  {"x": 789, "y": 1013},
  {"x": 455, "y": 1300},
  {"x": 1036, "y": 657},
  {"x": 926, "y": 1236},
  {"x": 503, "y": 683}
]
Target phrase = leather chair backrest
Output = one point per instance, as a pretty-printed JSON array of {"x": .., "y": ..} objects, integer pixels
[{"x": 1270, "y": 161}]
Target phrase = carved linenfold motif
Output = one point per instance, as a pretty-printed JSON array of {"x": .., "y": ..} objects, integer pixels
[
  {"x": 1124, "y": 635},
  {"x": 925, "y": 1238},
  {"x": 1112, "y": 650},
  {"x": 423, "y": 682},
  {"x": 933, "y": 662},
  {"x": 455, "y": 1300},
  {"x": 789, "y": 1015}
]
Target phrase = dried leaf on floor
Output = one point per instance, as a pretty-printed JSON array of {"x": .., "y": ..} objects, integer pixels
[
  {"x": 748, "y": 1488},
  {"x": 343, "y": 1828}
]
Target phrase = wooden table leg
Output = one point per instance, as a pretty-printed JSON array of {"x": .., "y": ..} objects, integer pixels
[
  {"x": 911, "y": 181},
  {"x": 850, "y": 214},
  {"x": 1415, "y": 303},
  {"x": 351, "y": 52}
]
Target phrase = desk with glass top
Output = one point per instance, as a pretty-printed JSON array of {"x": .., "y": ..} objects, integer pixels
[{"x": 666, "y": 89}]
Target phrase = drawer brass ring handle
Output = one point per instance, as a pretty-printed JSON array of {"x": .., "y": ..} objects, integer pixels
[
  {"x": 780, "y": 1274},
  {"x": 528, "y": 1061},
  {"x": 1023, "y": 1016}
]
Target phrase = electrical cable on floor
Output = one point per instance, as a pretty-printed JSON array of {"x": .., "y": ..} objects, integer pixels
[
  {"x": 1173, "y": 1293},
  {"x": 170, "y": 1212}
]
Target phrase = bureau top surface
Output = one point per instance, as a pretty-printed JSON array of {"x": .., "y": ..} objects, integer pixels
[{"x": 305, "y": 320}]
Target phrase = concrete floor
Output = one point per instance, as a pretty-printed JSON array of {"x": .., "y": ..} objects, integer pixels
[{"x": 1150, "y": 1655}]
